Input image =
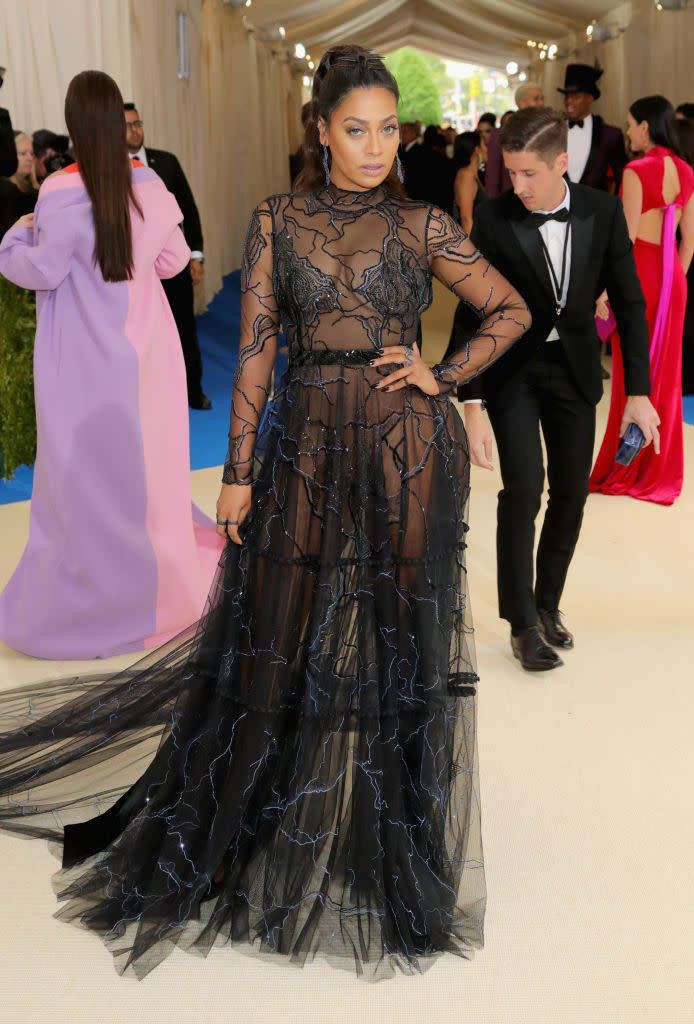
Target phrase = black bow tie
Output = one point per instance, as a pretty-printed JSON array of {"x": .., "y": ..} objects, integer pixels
[
  {"x": 539, "y": 219},
  {"x": 576, "y": 124}
]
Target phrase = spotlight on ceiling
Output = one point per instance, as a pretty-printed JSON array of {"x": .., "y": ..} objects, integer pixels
[
  {"x": 237, "y": 4},
  {"x": 598, "y": 32},
  {"x": 522, "y": 77},
  {"x": 272, "y": 34},
  {"x": 300, "y": 51},
  {"x": 670, "y": 5},
  {"x": 512, "y": 68}
]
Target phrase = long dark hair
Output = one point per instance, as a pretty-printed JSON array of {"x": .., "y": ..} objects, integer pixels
[
  {"x": 94, "y": 117},
  {"x": 342, "y": 69},
  {"x": 659, "y": 114}
]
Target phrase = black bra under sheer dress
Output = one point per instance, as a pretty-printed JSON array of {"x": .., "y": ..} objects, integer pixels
[{"x": 298, "y": 771}]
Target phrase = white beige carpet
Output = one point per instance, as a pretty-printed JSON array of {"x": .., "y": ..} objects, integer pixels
[{"x": 587, "y": 810}]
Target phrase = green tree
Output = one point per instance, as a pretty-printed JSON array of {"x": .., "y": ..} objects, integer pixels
[{"x": 419, "y": 95}]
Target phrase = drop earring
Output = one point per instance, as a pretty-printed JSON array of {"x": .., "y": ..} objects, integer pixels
[
  {"x": 398, "y": 165},
  {"x": 326, "y": 165}
]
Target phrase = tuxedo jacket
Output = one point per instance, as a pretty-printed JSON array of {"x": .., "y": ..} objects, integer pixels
[
  {"x": 601, "y": 257},
  {"x": 606, "y": 152},
  {"x": 171, "y": 173}
]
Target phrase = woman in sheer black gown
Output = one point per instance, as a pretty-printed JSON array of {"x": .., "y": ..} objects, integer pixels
[{"x": 299, "y": 771}]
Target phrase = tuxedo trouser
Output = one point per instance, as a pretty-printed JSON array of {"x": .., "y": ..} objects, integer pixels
[
  {"x": 541, "y": 396},
  {"x": 179, "y": 292}
]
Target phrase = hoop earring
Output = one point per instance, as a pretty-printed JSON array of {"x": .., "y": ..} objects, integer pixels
[
  {"x": 326, "y": 165},
  {"x": 398, "y": 165}
]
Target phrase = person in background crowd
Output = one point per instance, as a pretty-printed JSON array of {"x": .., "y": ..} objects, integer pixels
[
  {"x": 684, "y": 129},
  {"x": 296, "y": 160},
  {"x": 504, "y": 118},
  {"x": 8, "y": 150},
  {"x": 118, "y": 559},
  {"x": 496, "y": 179},
  {"x": 428, "y": 171},
  {"x": 468, "y": 191},
  {"x": 179, "y": 289},
  {"x": 19, "y": 192},
  {"x": 658, "y": 196},
  {"x": 685, "y": 112},
  {"x": 486, "y": 126},
  {"x": 596, "y": 150},
  {"x": 51, "y": 152},
  {"x": 449, "y": 134}
]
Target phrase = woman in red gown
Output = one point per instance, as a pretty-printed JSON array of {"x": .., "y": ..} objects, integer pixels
[{"x": 658, "y": 195}]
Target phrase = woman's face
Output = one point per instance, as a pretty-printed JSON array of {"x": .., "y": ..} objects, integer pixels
[
  {"x": 25, "y": 155},
  {"x": 637, "y": 133},
  {"x": 363, "y": 137}
]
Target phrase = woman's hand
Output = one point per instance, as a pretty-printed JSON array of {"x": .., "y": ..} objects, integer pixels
[
  {"x": 233, "y": 504},
  {"x": 27, "y": 221},
  {"x": 602, "y": 309},
  {"x": 414, "y": 372}
]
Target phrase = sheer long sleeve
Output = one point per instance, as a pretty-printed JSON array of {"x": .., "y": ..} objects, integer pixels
[
  {"x": 257, "y": 349},
  {"x": 504, "y": 316}
]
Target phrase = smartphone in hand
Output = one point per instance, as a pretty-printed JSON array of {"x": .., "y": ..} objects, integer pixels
[{"x": 630, "y": 445}]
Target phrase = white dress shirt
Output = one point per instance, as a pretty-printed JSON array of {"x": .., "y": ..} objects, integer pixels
[
  {"x": 554, "y": 235},
  {"x": 580, "y": 140}
]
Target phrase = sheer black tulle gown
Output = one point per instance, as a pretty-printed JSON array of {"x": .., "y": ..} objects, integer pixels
[{"x": 298, "y": 771}]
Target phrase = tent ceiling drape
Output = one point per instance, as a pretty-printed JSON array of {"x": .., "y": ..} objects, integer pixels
[{"x": 477, "y": 31}]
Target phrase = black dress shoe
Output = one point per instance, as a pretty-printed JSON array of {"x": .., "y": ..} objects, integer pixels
[
  {"x": 552, "y": 629},
  {"x": 532, "y": 652},
  {"x": 202, "y": 402}
]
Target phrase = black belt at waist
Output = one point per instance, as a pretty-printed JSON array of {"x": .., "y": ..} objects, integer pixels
[{"x": 332, "y": 357}]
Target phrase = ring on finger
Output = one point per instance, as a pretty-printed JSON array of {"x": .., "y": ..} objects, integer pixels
[{"x": 409, "y": 355}]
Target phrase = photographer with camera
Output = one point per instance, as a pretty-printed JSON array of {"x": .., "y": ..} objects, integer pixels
[{"x": 51, "y": 153}]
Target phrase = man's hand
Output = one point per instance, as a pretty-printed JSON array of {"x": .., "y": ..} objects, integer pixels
[
  {"x": 197, "y": 271},
  {"x": 27, "y": 221},
  {"x": 639, "y": 410},
  {"x": 479, "y": 435}
]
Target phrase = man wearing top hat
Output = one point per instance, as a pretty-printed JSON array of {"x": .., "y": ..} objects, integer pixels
[{"x": 596, "y": 150}]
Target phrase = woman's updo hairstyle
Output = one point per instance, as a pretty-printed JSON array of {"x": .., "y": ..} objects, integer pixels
[{"x": 342, "y": 69}]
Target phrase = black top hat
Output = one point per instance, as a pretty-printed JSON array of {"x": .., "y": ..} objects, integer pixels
[{"x": 581, "y": 78}]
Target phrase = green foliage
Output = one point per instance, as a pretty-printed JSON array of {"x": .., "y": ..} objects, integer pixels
[
  {"x": 17, "y": 413},
  {"x": 420, "y": 84}
]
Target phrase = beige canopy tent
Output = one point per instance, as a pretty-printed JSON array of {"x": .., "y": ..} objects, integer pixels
[{"x": 235, "y": 116}]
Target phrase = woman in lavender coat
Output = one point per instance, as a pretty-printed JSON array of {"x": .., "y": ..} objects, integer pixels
[{"x": 118, "y": 559}]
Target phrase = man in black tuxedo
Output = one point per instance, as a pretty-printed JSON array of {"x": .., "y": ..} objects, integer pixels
[
  {"x": 596, "y": 150},
  {"x": 560, "y": 245},
  {"x": 179, "y": 289}
]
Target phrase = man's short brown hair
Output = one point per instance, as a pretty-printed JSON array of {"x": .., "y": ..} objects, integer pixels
[{"x": 539, "y": 130}]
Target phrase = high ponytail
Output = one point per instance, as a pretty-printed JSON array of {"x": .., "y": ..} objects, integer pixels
[{"x": 342, "y": 69}]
